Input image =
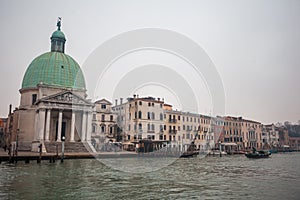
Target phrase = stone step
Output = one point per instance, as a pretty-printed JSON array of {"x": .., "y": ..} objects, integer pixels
[{"x": 69, "y": 147}]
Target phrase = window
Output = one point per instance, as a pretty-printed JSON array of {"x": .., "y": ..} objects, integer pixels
[
  {"x": 34, "y": 97},
  {"x": 161, "y": 105},
  {"x": 152, "y": 104},
  {"x": 148, "y": 114},
  {"x": 161, "y": 117},
  {"x": 103, "y": 106},
  {"x": 135, "y": 115},
  {"x": 178, "y": 117},
  {"x": 178, "y": 128},
  {"x": 94, "y": 128},
  {"x": 161, "y": 128},
  {"x": 129, "y": 116},
  {"x": 111, "y": 118},
  {"x": 140, "y": 114},
  {"x": 140, "y": 103},
  {"x": 153, "y": 115},
  {"x": 128, "y": 137},
  {"x": 102, "y": 129},
  {"x": 94, "y": 116},
  {"x": 152, "y": 127},
  {"x": 111, "y": 129},
  {"x": 165, "y": 127},
  {"x": 129, "y": 127},
  {"x": 148, "y": 127},
  {"x": 103, "y": 117},
  {"x": 149, "y": 104},
  {"x": 183, "y": 127},
  {"x": 140, "y": 126}
]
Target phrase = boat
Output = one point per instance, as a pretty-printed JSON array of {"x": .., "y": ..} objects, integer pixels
[
  {"x": 258, "y": 154},
  {"x": 189, "y": 154}
]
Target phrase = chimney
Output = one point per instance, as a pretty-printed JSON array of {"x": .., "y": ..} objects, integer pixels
[
  {"x": 116, "y": 102},
  {"x": 121, "y": 101},
  {"x": 10, "y": 107},
  {"x": 137, "y": 96},
  {"x": 134, "y": 96},
  {"x": 158, "y": 99}
]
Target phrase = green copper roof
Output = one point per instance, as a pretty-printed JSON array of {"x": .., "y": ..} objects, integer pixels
[
  {"x": 55, "y": 69},
  {"x": 58, "y": 34}
]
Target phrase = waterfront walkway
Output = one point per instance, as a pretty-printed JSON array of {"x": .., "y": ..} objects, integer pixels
[{"x": 28, "y": 155}]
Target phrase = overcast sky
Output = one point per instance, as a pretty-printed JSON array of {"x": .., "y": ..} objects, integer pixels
[{"x": 255, "y": 45}]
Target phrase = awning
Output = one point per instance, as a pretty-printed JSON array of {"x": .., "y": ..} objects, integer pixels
[
  {"x": 229, "y": 144},
  {"x": 128, "y": 143}
]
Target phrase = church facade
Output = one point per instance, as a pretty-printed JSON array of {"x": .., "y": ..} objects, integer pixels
[{"x": 53, "y": 105}]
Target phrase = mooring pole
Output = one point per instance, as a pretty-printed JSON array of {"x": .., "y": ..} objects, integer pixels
[{"x": 62, "y": 148}]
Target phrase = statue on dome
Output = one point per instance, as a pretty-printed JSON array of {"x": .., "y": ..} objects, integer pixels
[{"x": 58, "y": 23}]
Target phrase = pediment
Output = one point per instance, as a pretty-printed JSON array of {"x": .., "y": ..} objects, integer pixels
[
  {"x": 103, "y": 101},
  {"x": 65, "y": 97}
]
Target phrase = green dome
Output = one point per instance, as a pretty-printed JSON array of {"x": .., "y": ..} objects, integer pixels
[
  {"x": 58, "y": 34},
  {"x": 54, "y": 69}
]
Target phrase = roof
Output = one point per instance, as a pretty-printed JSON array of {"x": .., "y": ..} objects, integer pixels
[
  {"x": 103, "y": 101},
  {"x": 54, "y": 69},
  {"x": 58, "y": 34}
]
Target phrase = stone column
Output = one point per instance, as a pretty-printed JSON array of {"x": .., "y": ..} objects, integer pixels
[
  {"x": 48, "y": 125},
  {"x": 72, "y": 126},
  {"x": 36, "y": 125},
  {"x": 60, "y": 114},
  {"x": 83, "y": 126},
  {"x": 89, "y": 124},
  {"x": 41, "y": 124}
]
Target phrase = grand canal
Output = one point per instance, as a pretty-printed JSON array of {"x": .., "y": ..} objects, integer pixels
[{"x": 230, "y": 177}]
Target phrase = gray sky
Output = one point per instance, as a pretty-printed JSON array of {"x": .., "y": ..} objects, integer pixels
[{"x": 254, "y": 44}]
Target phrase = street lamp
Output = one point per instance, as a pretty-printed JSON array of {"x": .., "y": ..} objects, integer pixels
[{"x": 62, "y": 148}]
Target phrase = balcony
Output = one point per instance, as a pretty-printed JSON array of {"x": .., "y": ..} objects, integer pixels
[
  {"x": 172, "y": 120},
  {"x": 172, "y": 131}
]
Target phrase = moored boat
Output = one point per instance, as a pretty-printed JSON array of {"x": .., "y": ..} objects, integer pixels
[{"x": 258, "y": 154}]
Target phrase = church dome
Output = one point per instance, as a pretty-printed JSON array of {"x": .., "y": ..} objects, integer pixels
[
  {"x": 54, "y": 68},
  {"x": 58, "y": 34}
]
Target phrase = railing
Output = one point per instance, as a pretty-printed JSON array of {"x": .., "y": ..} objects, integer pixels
[
  {"x": 172, "y": 131},
  {"x": 172, "y": 120}
]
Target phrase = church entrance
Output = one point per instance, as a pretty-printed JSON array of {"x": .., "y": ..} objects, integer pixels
[{"x": 63, "y": 130}]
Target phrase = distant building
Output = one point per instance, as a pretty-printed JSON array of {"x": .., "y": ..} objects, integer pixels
[
  {"x": 3, "y": 122},
  {"x": 270, "y": 136},
  {"x": 104, "y": 124},
  {"x": 140, "y": 118}
]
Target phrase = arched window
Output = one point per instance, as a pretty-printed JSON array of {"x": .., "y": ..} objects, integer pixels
[
  {"x": 102, "y": 128},
  {"x": 140, "y": 126},
  {"x": 140, "y": 114}
]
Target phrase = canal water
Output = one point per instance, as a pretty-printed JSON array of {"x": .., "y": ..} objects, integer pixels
[{"x": 230, "y": 177}]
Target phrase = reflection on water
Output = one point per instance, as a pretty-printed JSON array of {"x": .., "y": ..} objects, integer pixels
[{"x": 229, "y": 177}]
